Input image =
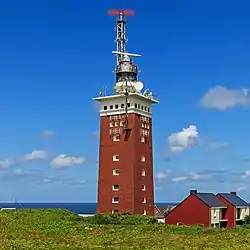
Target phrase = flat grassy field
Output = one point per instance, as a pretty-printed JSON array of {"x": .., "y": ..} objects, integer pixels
[{"x": 60, "y": 229}]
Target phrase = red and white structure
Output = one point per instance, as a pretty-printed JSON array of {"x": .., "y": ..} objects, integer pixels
[{"x": 125, "y": 182}]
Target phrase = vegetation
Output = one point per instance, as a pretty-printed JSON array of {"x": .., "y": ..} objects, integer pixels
[{"x": 60, "y": 229}]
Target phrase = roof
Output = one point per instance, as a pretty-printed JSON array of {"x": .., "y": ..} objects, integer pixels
[
  {"x": 210, "y": 199},
  {"x": 234, "y": 199}
]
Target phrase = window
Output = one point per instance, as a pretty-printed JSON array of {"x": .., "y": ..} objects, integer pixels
[
  {"x": 116, "y": 124},
  {"x": 141, "y": 107},
  {"x": 122, "y": 105},
  {"x": 116, "y": 187},
  {"x": 148, "y": 109},
  {"x": 121, "y": 123},
  {"x": 116, "y": 171},
  {"x": 115, "y": 200},
  {"x": 115, "y": 157},
  {"x": 143, "y": 172},
  {"x": 143, "y": 139},
  {"x": 143, "y": 187},
  {"x": 144, "y": 212},
  {"x": 105, "y": 107},
  {"x": 143, "y": 158},
  {"x": 111, "y": 106},
  {"x": 115, "y": 211},
  {"x": 145, "y": 108},
  {"x": 136, "y": 105},
  {"x": 116, "y": 106},
  {"x": 111, "y": 124},
  {"x": 144, "y": 200},
  {"x": 116, "y": 138},
  {"x": 128, "y": 105}
]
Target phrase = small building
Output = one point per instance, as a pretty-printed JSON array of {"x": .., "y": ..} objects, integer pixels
[
  {"x": 237, "y": 208},
  {"x": 198, "y": 209}
]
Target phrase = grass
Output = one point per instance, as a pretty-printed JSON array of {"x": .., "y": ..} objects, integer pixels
[{"x": 59, "y": 229}]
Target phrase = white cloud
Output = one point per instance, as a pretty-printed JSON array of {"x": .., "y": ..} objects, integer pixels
[
  {"x": 67, "y": 161},
  {"x": 36, "y": 155},
  {"x": 6, "y": 163},
  {"x": 245, "y": 175},
  {"x": 221, "y": 98},
  {"x": 185, "y": 139},
  {"x": 162, "y": 175},
  {"x": 48, "y": 133},
  {"x": 199, "y": 176},
  {"x": 179, "y": 178}
]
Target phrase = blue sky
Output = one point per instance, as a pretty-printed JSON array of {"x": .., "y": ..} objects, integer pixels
[{"x": 55, "y": 55}]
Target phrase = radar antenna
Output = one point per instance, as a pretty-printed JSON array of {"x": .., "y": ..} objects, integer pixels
[{"x": 126, "y": 71}]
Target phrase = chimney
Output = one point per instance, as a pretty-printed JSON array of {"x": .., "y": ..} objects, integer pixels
[
  {"x": 233, "y": 193},
  {"x": 193, "y": 191}
]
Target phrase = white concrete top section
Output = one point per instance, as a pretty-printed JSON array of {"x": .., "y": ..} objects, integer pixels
[{"x": 115, "y": 104}]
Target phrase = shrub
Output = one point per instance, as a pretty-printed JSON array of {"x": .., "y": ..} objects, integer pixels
[{"x": 120, "y": 219}]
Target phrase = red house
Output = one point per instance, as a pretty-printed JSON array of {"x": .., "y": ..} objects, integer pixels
[
  {"x": 198, "y": 209},
  {"x": 237, "y": 208}
]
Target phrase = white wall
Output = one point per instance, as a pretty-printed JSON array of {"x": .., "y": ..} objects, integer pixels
[
  {"x": 215, "y": 215},
  {"x": 244, "y": 211}
]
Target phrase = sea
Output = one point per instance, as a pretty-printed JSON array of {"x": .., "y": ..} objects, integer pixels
[{"x": 78, "y": 208}]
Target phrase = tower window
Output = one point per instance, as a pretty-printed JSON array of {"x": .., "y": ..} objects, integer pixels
[
  {"x": 143, "y": 172},
  {"x": 145, "y": 108},
  {"x": 116, "y": 157},
  {"x": 143, "y": 158},
  {"x": 136, "y": 105},
  {"x": 144, "y": 200},
  {"x": 105, "y": 107},
  {"x": 143, "y": 187},
  {"x": 141, "y": 107},
  {"x": 128, "y": 105},
  {"x": 115, "y": 211},
  {"x": 143, "y": 139},
  {"x": 144, "y": 212},
  {"x": 116, "y": 138},
  {"x": 122, "y": 105},
  {"x": 115, "y": 200},
  {"x": 116, "y": 187},
  {"x": 116, "y": 106},
  {"x": 111, "y": 106},
  {"x": 148, "y": 109},
  {"x": 116, "y": 171}
]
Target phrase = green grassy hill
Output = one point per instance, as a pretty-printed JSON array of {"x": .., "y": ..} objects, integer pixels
[{"x": 60, "y": 229}]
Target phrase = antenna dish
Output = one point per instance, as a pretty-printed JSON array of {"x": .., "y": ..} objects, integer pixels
[{"x": 138, "y": 86}]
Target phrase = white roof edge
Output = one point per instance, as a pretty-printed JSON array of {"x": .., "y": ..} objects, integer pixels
[{"x": 100, "y": 98}]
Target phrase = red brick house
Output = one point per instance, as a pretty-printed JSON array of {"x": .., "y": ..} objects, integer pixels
[
  {"x": 237, "y": 208},
  {"x": 198, "y": 209}
]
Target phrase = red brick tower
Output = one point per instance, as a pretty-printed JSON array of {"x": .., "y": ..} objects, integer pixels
[{"x": 125, "y": 182}]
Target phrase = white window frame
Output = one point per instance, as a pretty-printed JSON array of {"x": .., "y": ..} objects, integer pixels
[
  {"x": 116, "y": 157},
  {"x": 144, "y": 212},
  {"x": 143, "y": 158},
  {"x": 143, "y": 139},
  {"x": 143, "y": 187},
  {"x": 114, "y": 189},
  {"x": 115, "y": 171},
  {"x": 143, "y": 172},
  {"x": 144, "y": 200},
  {"x": 113, "y": 200}
]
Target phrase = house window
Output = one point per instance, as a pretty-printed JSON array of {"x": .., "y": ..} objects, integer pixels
[
  {"x": 115, "y": 200},
  {"x": 143, "y": 187},
  {"x": 116, "y": 138},
  {"x": 136, "y": 105},
  {"x": 238, "y": 213},
  {"x": 115, "y": 211},
  {"x": 144, "y": 200},
  {"x": 122, "y": 105},
  {"x": 111, "y": 106},
  {"x": 144, "y": 212},
  {"x": 143, "y": 172},
  {"x": 116, "y": 157},
  {"x": 116, "y": 106},
  {"x": 105, "y": 107},
  {"x": 116, "y": 171},
  {"x": 143, "y": 158},
  {"x": 143, "y": 139},
  {"x": 116, "y": 187},
  {"x": 214, "y": 213}
]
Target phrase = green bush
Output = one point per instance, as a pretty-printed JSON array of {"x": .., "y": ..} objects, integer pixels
[{"x": 120, "y": 219}]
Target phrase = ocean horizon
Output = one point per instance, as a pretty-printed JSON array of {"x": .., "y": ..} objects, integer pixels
[{"x": 75, "y": 207}]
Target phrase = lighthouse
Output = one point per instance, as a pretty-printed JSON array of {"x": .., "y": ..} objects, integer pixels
[{"x": 125, "y": 175}]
